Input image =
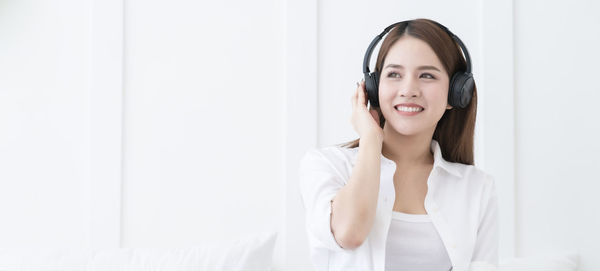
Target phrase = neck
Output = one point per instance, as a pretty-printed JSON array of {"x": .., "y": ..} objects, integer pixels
[{"x": 407, "y": 150}]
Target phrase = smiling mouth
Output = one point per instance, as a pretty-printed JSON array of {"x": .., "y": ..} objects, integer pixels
[{"x": 409, "y": 109}]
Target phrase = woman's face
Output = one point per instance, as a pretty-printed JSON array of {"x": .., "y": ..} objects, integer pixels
[{"x": 413, "y": 75}]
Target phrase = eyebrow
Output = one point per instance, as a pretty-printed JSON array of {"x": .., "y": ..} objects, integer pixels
[{"x": 418, "y": 68}]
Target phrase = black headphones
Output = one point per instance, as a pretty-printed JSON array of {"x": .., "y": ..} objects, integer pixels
[{"x": 461, "y": 84}]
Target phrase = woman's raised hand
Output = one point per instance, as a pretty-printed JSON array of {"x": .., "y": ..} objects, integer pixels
[{"x": 365, "y": 121}]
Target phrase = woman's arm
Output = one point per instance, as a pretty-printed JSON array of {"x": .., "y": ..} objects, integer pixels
[{"x": 353, "y": 208}]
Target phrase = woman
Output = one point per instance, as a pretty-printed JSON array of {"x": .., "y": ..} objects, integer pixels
[{"x": 405, "y": 195}]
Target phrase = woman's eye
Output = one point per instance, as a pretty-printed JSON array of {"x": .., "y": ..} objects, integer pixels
[
  {"x": 393, "y": 74},
  {"x": 428, "y": 76}
]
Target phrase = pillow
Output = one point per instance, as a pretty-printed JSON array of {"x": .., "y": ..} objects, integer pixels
[
  {"x": 557, "y": 261},
  {"x": 31, "y": 259},
  {"x": 251, "y": 253}
]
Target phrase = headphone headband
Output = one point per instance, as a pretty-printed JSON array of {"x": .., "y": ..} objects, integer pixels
[{"x": 377, "y": 38}]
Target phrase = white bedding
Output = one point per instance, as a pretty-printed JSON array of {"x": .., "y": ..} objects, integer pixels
[{"x": 251, "y": 253}]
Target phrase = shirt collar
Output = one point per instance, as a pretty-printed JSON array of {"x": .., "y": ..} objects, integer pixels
[
  {"x": 450, "y": 167},
  {"x": 438, "y": 160}
]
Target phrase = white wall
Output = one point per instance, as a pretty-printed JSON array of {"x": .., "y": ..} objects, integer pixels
[
  {"x": 44, "y": 65},
  {"x": 557, "y": 130},
  {"x": 141, "y": 123},
  {"x": 202, "y": 121},
  {"x": 202, "y": 138},
  {"x": 191, "y": 90}
]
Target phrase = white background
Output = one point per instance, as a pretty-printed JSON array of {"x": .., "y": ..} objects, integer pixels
[{"x": 164, "y": 124}]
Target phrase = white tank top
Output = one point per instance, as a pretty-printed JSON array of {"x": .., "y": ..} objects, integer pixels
[{"x": 413, "y": 243}]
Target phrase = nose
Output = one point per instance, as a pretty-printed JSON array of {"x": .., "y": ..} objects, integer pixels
[{"x": 409, "y": 88}]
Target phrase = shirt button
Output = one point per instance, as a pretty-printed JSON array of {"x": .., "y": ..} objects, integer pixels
[{"x": 453, "y": 245}]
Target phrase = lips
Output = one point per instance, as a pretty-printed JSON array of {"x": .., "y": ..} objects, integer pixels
[
  {"x": 409, "y": 108},
  {"x": 409, "y": 105}
]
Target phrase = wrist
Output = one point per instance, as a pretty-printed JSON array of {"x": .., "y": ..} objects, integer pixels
[{"x": 372, "y": 139}]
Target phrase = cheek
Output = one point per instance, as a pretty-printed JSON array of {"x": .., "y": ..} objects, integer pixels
[
  {"x": 386, "y": 91},
  {"x": 385, "y": 99},
  {"x": 442, "y": 95},
  {"x": 437, "y": 92},
  {"x": 384, "y": 94},
  {"x": 438, "y": 102}
]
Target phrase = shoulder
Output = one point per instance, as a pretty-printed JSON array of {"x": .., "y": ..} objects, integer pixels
[
  {"x": 333, "y": 154},
  {"x": 476, "y": 186},
  {"x": 475, "y": 173},
  {"x": 473, "y": 176},
  {"x": 331, "y": 158}
]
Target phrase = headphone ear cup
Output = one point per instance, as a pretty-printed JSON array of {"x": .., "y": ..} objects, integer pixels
[
  {"x": 461, "y": 89},
  {"x": 372, "y": 86}
]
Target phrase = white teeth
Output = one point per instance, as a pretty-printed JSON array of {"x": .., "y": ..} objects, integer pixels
[{"x": 409, "y": 109}]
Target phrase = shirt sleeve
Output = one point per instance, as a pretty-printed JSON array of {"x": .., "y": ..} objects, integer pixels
[
  {"x": 319, "y": 184},
  {"x": 485, "y": 254}
]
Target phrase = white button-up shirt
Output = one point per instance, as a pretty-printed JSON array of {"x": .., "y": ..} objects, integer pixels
[{"x": 461, "y": 201}]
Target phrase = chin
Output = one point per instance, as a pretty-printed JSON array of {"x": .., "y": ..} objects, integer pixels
[
  {"x": 406, "y": 130},
  {"x": 409, "y": 128}
]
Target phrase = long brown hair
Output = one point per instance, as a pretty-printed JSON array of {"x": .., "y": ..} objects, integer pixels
[{"x": 454, "y": 131}]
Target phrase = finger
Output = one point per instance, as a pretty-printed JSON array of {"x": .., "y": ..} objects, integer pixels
[
  {"x": 354, "y": 97},
  {"x": 364, "y": 87},
  {"x": 360, "y": 92},
  {"x": 361, "y": 95},
  {"x": 357, "y": 93}
]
